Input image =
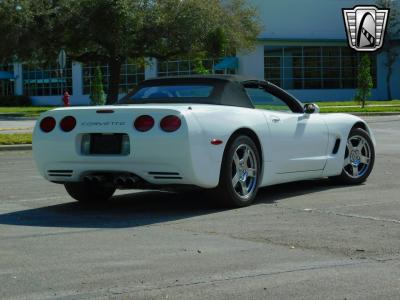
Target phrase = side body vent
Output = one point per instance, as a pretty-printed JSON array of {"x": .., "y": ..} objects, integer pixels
[
  {"x": 165, "y": 175},
  {"x": 60, "y": 173},
  {"x": 336, "y": 147}
]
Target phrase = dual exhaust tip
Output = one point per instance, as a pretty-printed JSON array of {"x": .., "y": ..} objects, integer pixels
[
  {"x": 94, "y": 179},
  {"x": 125, "y": 181},
  {"x": 119, "y": 181}
]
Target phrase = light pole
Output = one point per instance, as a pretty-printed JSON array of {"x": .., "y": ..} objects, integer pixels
[{"x": 62, "y": 61}]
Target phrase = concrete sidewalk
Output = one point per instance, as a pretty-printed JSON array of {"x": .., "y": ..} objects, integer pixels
[
  {"x": 358, "y": 106},
  {"x": 14, "y": 125},
  {"x": 21, "y": 147},
  {"x": 25, "y": 125}
]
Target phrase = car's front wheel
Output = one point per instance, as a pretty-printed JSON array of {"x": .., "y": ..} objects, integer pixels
[
  {"x": 359, "y": 158},
  {"x": 90, "y": 193},
  {"x": 240, "y": 171}
]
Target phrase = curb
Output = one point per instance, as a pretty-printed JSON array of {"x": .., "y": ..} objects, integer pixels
[
  {"x": 28, "y": 147},
  {"x": 22, "y": 147},
  {"x": 374, "y": 114},
  {"x": 13, "y": 117}
]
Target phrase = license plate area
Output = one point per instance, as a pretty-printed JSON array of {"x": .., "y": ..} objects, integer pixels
[{"x": 105, "y": 144}]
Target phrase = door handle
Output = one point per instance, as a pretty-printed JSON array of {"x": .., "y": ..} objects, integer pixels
[{"x": 275, "y": 119}]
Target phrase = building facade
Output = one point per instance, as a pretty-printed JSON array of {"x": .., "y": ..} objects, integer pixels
[
  {"x": 305, "y": 50},
  {"x": 302, "y": 48}
]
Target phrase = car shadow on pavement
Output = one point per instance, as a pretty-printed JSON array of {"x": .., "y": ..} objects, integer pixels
[
  {"x": 279, "y": 192},
  {"x": 146, "y": 208}
]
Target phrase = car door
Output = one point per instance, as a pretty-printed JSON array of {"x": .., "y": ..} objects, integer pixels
[{"x": 298, "y": 141}]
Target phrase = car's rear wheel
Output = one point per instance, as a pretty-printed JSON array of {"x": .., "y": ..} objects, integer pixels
[
  {"x": 359, "y": 158},
  {"x": 90, "y": 193},
  {"x": 239, "y": 178}
]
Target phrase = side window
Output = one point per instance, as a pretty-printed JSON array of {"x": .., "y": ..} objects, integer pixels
[{"x": 266, "y": 100}]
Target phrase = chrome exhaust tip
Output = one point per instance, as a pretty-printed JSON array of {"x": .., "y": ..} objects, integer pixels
[
  {"x": 87, "y": 179},
  {"x": 98, "y": 178},
  {"x": 120, "y": 181},
  {"x": 130, "y": 181}
]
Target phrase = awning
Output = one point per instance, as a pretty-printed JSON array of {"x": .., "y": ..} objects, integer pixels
[
  {"x": 45, "y": 81},
  {"x": 227, "y": 63},
  {"x": 6, "y": 75}
]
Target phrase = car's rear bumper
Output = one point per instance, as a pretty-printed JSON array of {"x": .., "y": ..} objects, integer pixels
[
  {"x": 154, "y": 173},
  {"x": 157, "y": 160}
]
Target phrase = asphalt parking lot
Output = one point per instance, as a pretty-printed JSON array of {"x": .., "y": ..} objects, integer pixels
[{"x": 304, "y": 240}]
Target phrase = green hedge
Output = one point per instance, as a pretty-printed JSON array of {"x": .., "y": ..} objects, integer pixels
[{"x": 15, "y": 101}]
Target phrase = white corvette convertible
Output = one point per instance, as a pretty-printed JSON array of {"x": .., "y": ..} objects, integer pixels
[{"x": 200, "y": 131}]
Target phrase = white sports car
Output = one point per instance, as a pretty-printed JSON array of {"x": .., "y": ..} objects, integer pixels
[{"x": 200, "y": 131}]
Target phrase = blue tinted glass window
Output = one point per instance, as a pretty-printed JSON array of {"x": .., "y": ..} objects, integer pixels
[
  {"x": 269, "y": 101},
  {"x": 173, "y": 91}
]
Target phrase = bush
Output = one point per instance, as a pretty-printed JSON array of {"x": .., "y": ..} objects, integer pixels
[
  {"x": 199, "y": 67},
  {"x": 365, "y": 83},
  {"x": 15, "y": 101},
  {"x": 98, "y": 97}
]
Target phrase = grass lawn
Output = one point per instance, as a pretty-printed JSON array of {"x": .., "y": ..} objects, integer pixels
[
  {"x": 353, "y": 103},
  {"x": 31, "y": 111},
  {"x": 373, "y": 109},
  {"x": 15, "y": 139},
  {"x": 340, "y": 107},
  {"x": 325, "y": 107}
]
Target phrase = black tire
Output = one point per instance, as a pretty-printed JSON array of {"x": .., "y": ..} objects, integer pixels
[
  {"x": 89, "y": 193},
  {"x": 345, "y": 177},
  {"x": 226, "y": 194}
]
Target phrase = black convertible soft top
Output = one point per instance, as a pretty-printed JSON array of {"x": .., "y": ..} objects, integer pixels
[{"x": 227, "y": 90}]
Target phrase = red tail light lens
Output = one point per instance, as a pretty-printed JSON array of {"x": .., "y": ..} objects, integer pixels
[
  {"x": 170, "y": 123},
  {"x": 68, "y": 124},
  {"x": 47, "y": 124},
  {"x": 144, "y": 123}
]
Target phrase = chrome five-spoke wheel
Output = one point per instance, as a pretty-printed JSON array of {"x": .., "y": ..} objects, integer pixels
[
  {"x": 357, "y": 156},
  {"x": 244, "y": 171},
  {"x": 240, "y": 172}
]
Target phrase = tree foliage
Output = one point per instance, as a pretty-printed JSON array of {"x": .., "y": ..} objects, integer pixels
[
  {"x": 365, "y": 82},
  {"x": 392, "y": 33},
  {"x": 14, "y": 24},
  {"x": 111, "y": 31},
  {"x": 32, "y": 30},
  {"x": 216, "y": 44}
]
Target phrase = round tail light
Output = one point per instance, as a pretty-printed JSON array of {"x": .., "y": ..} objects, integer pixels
[
  {"x": 68, "y": 123},
  {"x": 144, "y": 123},
  {"x": 170, "y": 123},
  {"x": 47, "y": 124}
]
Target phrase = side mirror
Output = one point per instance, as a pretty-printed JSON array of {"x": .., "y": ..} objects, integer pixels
[{"x": 311, "y": 108}]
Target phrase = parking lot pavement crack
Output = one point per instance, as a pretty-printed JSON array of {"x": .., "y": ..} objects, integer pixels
[
  {"x": 273, "y": 242},
  {"x": 331, "y": 212},
  {"x": 50, "y": 234},
  {"x": 227, "y": 278},
  {"x": 384, "y": 260}
]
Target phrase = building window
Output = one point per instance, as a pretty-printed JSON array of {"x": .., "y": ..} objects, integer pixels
[
  {"x": 314, "y": 67},
  {"x": 7, "y": 85},
  {"x": 131, "y": 75},
  {"x": 47, "y": 80},
  {"x": 187, "y": 67}
]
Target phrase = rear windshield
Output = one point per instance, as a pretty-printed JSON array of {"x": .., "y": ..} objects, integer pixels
[{"x": 172, "y": 91}]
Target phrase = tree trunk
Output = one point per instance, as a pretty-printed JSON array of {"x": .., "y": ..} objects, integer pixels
[
  {"x": 388, "y": 79},
  {"x": 114, "y": 66}
]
